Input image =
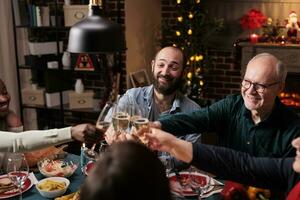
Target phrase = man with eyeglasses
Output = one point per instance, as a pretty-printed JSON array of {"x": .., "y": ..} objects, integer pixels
[{"x": 255, "y": 122}]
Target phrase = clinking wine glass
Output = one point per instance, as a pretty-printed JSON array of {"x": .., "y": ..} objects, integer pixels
[
  {"x": 89, "y": 154},
  {"x": 101, "y": 124},
  {"x": 120, "y": 118},
  {"x": 17, "y": 170},
  {"x": 140, "y": 123}
]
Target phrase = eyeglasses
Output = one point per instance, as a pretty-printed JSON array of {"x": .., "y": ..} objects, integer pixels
[{"x": 257, "y": 86}]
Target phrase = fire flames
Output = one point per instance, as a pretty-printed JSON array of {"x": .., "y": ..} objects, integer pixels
[{"x": 290, "y": 98}]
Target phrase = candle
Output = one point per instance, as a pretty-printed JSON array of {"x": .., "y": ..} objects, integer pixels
[{"x": 253, "y": 38}]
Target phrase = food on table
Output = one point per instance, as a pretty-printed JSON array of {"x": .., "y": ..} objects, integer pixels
[
  {"x": 50, "y": 185},
  {"x": 72, "y": 196},
  {"x": 6, "y": 185},
  {"x": 258, "y": 193},
  {"x": 88, "y": 167},
  {"x": 33, "y": 157},
  {"x": 60, "y": 168},
  {"x": 5, "y": 182}
]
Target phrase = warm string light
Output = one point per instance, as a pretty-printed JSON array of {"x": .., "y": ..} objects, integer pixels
[
  {"x": 194, "y": 79},
  {"x": 201, "y": 82},
  {"x": 180, "y": 18}
]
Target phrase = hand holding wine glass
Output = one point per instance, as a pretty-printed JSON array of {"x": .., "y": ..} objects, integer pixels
[{"x": 17, "y": 170}]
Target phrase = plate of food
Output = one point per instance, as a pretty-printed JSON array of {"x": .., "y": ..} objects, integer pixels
[
  {"x": 89, "y": 166},
  {"x": 57, "y": 165},
  {"x": 181, "y": 183},
  {"x": 8, "y": 189}
]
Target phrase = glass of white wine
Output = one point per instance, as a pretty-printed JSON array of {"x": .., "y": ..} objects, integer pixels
[
  {"x": 17, "y": 170},
  {"x": 120, "y": 118}
]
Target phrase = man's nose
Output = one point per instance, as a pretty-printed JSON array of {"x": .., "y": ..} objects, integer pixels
[
  {"x": 252, "y": 89},
  {"x": 165, "y": 71}
]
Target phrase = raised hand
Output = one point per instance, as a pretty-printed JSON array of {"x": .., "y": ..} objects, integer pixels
[
  {"x": 163, "y": 141},
  {"x": 85, "y": 133}
]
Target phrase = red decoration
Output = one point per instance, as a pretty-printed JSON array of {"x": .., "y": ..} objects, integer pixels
[
  {"x": 84, "y": 63},
  {"x": 253, "y": 38},
  {"x": 253, "y": 19}
]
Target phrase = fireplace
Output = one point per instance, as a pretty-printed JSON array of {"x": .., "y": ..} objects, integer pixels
[{"x": 289, "y": 55}]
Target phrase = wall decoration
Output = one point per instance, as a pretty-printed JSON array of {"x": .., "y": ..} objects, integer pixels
[
  {"x": 84, "y": 63},
  {"x": 139, "y": 78}
]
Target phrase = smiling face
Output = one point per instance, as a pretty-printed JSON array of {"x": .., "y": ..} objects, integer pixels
[
  {"x": 4, "y": 100},
  {"x": 296, "y": 145},
  {"x": 167, "y": 69},
  {"x": 262, "y": 70}
]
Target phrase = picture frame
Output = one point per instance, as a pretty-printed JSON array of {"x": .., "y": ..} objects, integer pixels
[{"x": 139, "y": 78}]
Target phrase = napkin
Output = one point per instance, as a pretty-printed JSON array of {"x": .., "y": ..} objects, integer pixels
[
  {"x": 32, "y": 177},
  {"x": 218, "y": 187},
  {"x": 177, "y": 193}
]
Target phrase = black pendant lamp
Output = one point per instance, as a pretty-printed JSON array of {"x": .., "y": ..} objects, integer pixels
[{"x": 95, "y": 34}]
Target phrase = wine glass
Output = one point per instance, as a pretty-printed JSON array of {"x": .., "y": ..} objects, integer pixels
[
  {"x": 17, "y": 170},
  {"x": 120, "y": 118},
  {"x": 103, "y": 147},
  {"x": 101, "y": 124},
  {"x": 87, "y": 155},
  {"x": 167, "y": 162}
]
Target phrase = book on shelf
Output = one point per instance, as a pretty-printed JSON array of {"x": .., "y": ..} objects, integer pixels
[
  {"x": 45, "y": 15},
  {"x": 38, "y": 15},
  {"x": 20, "y": 10}
]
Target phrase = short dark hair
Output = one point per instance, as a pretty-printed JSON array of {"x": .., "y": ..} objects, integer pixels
[{"x": 128, "y": 170}]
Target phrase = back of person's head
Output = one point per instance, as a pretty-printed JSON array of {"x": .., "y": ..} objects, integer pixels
[{"x": 128, "y": 170}]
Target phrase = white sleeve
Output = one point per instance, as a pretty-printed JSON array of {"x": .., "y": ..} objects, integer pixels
[{"x": 31, "y": 140}]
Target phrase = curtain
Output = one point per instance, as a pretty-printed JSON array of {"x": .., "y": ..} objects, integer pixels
[{"x": 8, "y": 71}]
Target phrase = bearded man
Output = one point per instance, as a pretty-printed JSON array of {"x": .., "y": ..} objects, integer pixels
[{"x": 163, "y": 97}]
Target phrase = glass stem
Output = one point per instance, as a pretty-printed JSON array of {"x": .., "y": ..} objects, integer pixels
[{"x": 20, "y": 191}]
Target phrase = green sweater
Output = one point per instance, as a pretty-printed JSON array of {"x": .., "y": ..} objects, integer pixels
[{"x": 236, "y": 129}]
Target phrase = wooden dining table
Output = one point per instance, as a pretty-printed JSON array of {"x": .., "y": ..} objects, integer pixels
[{"x": 76, "y": 181}]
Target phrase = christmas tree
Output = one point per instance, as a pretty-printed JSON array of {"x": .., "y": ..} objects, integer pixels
[{"x": 191, "y": 33}]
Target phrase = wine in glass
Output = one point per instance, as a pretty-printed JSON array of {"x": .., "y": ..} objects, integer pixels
[
  {"x": 17, "y": 170},
  {"x": 101, "y": 124},
  {"x": 135, "y": 112},
  {"x": 120, "y": 118},
  {"x": 141, "y": 122}
]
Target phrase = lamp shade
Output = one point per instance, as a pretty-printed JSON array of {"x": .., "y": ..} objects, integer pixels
[{"x": 95, "y": 34}]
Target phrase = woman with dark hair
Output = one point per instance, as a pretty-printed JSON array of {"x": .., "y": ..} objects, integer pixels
[{"x": 128, "y": 170}]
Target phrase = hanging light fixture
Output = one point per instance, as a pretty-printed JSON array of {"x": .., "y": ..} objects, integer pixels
[{"x": 95, "y": 34}]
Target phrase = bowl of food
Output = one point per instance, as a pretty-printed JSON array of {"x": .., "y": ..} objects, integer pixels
[
  {"x": 53, "y": 186},
  {"x": 57, "y": 165}
]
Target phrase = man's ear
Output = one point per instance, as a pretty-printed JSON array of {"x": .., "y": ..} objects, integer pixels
[{"x": 152, "y": 65}]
